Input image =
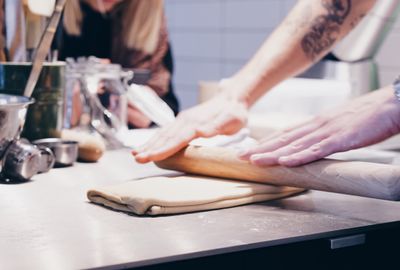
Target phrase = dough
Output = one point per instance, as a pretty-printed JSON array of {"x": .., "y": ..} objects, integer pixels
[{"x": 182, "y": 194}]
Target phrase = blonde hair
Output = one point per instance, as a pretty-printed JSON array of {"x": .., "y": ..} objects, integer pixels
[{"x": 141, "y": 22}]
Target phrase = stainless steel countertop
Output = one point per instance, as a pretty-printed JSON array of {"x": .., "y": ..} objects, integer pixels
[{"x": 48, "y": 223}]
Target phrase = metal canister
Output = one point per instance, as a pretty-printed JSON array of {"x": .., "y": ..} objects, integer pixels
[{"x": 45, "y": 118}]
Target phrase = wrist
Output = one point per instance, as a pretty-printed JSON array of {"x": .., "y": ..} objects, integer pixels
[
  {"x": 248, "y": 85},
  {"x": 236, "y": 90},
  {"x": 395, "y": 99},
  {"x": 396, "y": 88},
  {"x": 392, "y": 102}
]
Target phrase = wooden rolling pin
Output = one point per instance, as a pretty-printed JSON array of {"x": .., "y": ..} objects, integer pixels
[{"x": 349, "y": 177}]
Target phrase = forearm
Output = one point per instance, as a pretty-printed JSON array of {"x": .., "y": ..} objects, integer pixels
[{"x": 310, "y": 30}]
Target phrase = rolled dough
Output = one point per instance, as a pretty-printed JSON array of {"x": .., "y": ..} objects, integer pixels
[{"x": 182, "y": 194}]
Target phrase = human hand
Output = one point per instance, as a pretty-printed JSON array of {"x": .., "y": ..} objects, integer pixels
[
  {"x": 220, "y": 115},
  {"x": 362, "y": 122},
  {"x": 137, "y": 118}
]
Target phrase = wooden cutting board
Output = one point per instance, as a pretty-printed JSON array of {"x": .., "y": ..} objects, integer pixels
[{"x": 349, "y": 177}]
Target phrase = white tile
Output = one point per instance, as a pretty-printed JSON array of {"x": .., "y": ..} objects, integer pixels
[
  {"x": 243, "y": 45},
  {"x": 193, "y": 71},
  {"x": 287, "y": 6},
  {"x": 198, "y": 14},
  {"x": 397, "y": 22},
  {"x": 170, "y": 14},
  {"x": 395, "y": 27},
  {"x": 388, "y": 55},
  {"x": 187, "y": 95},
  {"x": 388, "y": 75},
  {"x": 197, "y": 44},
  {"x": 230, "y": 68},
  {"x": 252, "y": 14}
]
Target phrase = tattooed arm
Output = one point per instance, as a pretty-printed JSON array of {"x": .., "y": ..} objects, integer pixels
[
  {"x": 305, "y": 36},
  {"x": 307, "y": 33}
]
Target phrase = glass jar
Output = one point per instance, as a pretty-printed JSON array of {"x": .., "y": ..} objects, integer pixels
[{"x": 96, "y": 94}]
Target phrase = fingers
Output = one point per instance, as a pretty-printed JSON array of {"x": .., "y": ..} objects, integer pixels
[
  {"x": 165, "y": 142},
  {"x": 265, "y": 158},
  {"x": 172, "y": 139},
  {"x": 313, "y": 153},
  {"x": 342, "y": 129},
  {"x": 162, "y": 152},
  {"x": 283, "y": 139},
  {"x": 105, "y": 60},
  {"x": 288, "y": 130},
  {"x": 204, "y": 120}
]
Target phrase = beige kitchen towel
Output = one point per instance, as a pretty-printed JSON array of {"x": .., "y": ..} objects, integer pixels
[{"x": 183, "y": 194}]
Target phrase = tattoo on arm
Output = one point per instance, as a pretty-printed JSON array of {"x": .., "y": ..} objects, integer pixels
[
  {"x": 325, "y": 29},
  {"x": 357, "y": 20}
]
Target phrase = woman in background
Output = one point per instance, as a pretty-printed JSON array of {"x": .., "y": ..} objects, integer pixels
[{"x": 131, "y": 33}]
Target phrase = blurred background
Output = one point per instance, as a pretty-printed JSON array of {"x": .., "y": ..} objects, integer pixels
[{"x": 212, "y": 39}]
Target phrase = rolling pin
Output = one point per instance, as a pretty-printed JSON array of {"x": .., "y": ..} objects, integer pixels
[{"x": 349, "y": 177}]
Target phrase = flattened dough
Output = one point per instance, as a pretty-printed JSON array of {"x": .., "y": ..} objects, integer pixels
[{"x": 183, "y": 194}]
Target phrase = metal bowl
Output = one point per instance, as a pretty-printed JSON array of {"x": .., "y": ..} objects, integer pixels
[
  {"x": 65, "y": 151},
  {"x": 12, "y": 118}
]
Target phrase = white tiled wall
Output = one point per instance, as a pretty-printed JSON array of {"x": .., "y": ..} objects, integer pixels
[
  {"x": 212, "y": 39},
  {"x": 388, "y": 56}
]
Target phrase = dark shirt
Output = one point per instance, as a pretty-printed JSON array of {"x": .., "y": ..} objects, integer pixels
[{"x": 95, "y": 38}]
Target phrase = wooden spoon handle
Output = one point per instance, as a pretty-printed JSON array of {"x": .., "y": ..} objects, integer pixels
[
  {"x": 348, "y": 177},
  {"x": 43, "y": 48}
]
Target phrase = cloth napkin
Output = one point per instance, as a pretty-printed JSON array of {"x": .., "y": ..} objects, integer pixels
[{"x": 182, "y": 194}]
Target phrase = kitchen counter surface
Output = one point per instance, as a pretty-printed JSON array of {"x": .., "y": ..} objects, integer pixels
[{"x": 48, "y": 223}]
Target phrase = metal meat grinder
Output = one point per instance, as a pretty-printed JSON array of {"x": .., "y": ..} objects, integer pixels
[{"x": 19, "y": 159}]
